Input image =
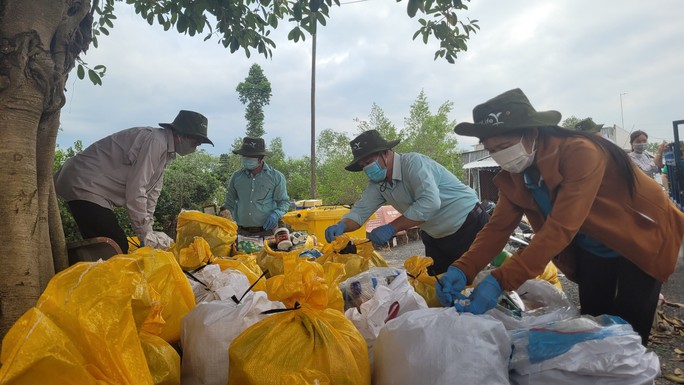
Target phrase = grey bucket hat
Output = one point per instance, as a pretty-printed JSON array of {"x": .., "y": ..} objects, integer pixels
[
  {"x": 252, "y": 147},
  {"x": 506, "y": 112},
  {"x": 190, "y": 123}
]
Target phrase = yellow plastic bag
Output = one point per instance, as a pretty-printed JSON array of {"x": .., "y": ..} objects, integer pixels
[
  {"x": 166, "y": 277},
  {"x": 416, "y": 268},
  {"x": 198, "y": 253},
  {"x": 272, "y": 260},
  {"x": 354, "y": 263},
  {"x": 219, "y": 232},
  {"x": 549, "y": 274},
  {"x": 333, "y": 276},
  {"x": 303, "y": 345},
  {"x": 86, "y": 327}
]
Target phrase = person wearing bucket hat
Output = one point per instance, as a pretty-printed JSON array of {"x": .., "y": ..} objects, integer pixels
[
  {"x": 588, "y": 125},
  {"x": 425, "y": 192},
  {"x": 257, "y": 194},
  {"x": 126, "y": 169},
  {"x": 593, "y": 214}
]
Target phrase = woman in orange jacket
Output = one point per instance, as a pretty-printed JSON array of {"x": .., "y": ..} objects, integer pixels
[{"x": 607, "y": 226}]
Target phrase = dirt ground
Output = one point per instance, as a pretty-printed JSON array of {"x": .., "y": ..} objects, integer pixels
[{"x": 667, "y": 335}]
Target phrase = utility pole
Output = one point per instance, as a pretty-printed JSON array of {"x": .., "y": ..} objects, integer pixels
[
  {"x": 313, "y": 110},
  {"x": 622, "y": 116}
]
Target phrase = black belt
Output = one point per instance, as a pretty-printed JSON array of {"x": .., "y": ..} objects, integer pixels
[{"x": 256, "y": 229}]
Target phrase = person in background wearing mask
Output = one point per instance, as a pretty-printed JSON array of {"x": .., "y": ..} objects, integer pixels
[
  {"x": 448, "y": 212},
  {"x": 639, "y": 141},
  {"x": 607, "y": 226},
  {"x": 257, "y": 194},
  {"x": 126, "y": 169}
]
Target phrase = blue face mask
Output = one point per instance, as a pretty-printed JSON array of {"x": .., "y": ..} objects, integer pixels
[
  {"x": 374, "y": 172},
  {"x": 250, "y": 163}
]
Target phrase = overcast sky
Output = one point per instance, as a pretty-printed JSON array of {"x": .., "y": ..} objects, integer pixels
[{"x": 574, "y": 56}]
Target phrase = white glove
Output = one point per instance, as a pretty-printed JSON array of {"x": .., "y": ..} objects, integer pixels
[{"x": 158, "y": 240}]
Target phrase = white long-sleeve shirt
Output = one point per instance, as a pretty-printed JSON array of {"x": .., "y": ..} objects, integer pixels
[{"x": 125, "y": 169}]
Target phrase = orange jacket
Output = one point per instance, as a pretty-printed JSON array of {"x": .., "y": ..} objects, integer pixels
[{"x": 588, "y": 195}]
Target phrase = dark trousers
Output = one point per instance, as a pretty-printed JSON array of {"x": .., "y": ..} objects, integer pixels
[
  {"x": 444, "y": 251},
  {"x": 618, "y": 287},
  {"x": 94, "y": 220}
]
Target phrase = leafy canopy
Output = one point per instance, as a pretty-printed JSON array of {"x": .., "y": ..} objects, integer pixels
[{"x": 247, "y": 24}]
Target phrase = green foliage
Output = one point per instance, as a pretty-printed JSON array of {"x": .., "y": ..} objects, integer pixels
[
  {"x": 246, "y": 25},
  {"x": 69, "y": 226},
  {"x": 190, "y": 182},
  {"x": 570, "y": 122},
  {"x": 431, "y": 134},
  {"x": 255, "y": 91},
  {"x": 335, "y": 184}
]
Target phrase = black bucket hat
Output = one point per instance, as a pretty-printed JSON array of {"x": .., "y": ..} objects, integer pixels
[
  {"x": 506, "y": 112},
  {"x": 588, "y": 125},
  {"x": 190, "y": 123},
  {"x": 369, "y": 142},
  {"x": 252, "y": 147}
]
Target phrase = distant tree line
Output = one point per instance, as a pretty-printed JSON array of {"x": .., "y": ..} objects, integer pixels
[{"x": 200, "y": 179}]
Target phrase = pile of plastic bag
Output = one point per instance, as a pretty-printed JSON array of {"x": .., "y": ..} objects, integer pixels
[{"x": 315, "y": 314}]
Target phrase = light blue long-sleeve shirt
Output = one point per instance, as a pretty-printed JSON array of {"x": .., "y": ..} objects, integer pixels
[
  {"x": 252, "y": 198},
  {"x": 422, "y": 190}
]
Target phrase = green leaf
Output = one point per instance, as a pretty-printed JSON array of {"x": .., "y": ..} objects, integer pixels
[
  {"x": 99, "y": 67},
  {"x": 321, "y": 19},
  {"x": 412, "y": 7},
  {"x": 104, "y": 31},
  {"x": 94, "y": 77},
  {"x": 80, "y": 72},
  {"x": 314, "y": 5}
]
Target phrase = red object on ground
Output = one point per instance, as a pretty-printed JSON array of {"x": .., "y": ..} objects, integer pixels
[{"x": 385, "y": 215}]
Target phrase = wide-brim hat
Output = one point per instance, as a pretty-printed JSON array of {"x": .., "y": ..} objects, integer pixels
[
  {"x": 252, "y": 147},
  {"x": 369, "y": 142},
  {"x": 588, "y": 125},
  {"x": 190, "y": 123},
  {"x": 504, "y": 113}
]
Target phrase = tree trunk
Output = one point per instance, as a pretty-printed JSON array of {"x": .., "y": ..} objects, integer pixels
[{"x": 39, "y": 43}]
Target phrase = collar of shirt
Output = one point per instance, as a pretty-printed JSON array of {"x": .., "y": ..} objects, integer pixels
[
  {"x": 171, "y": 145},
  {"x": 396, "y": 167}
]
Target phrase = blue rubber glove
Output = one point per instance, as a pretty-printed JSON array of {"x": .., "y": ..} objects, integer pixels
[
  {"x": 450, "y": 285},
  {"x": 335, "y": 230},
  {"x": 485, "y": 296},
  {"x": 383, "y": 234},
  {"x": 271, "y": 221}
]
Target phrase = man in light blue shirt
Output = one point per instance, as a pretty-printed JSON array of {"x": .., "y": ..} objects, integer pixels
[
  {"x": 257, "y": 194},
  {"x": 425, "y": 192}
]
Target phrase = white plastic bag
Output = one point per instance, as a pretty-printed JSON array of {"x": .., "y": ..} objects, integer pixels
[
  {"x": 208, "y": 330},
  {"x": 387, "y": 303},
  {"x": 544, "y": 303},
  {"x": 211, "y": 284},
  {"x": 582, "y": 351},
  {"x": 439, "y": 346},
  {"x": 361, "y": 287},
  {"x": 158, "y": 240}
]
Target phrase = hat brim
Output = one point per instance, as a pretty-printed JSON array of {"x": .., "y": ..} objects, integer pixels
[
  {"x": 170, "y": 126},
  {"x": 353, "y": 166},
  {"x": 251, "y": 154},
  {"x": 539, "y": 119}
]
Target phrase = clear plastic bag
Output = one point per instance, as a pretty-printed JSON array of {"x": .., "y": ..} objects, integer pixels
[{"x": 361, "y": 287}]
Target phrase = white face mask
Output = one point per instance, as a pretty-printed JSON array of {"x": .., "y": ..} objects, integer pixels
[{"x": 514, "y": 159}]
